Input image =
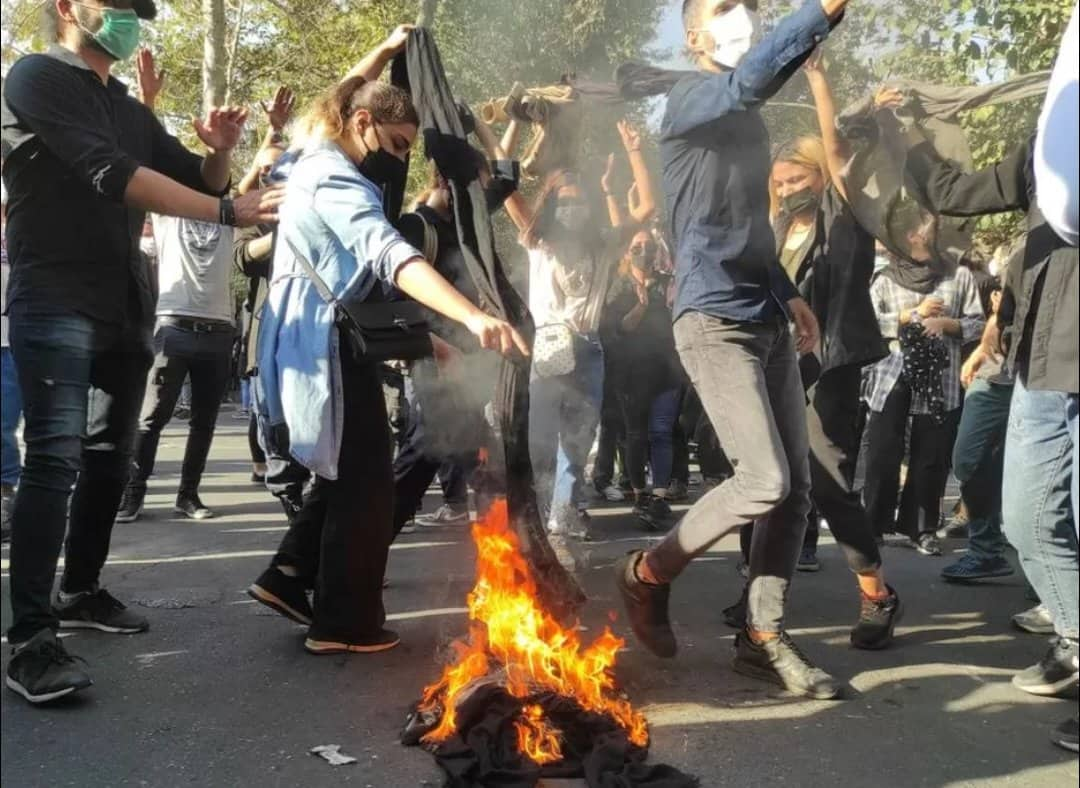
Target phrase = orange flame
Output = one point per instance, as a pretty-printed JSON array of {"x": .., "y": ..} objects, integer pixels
[
  {"x": 536, "y": 738},
  {"x": 510, "y": 629}
]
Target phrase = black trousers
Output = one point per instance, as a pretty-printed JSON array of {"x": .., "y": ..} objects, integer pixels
[
  {"x": 258, "y": 456},
  {"x": 611, "y": 443},
  {"x": 833, "y": 426},
  {"x": 415, "y": 468},
  {"x": 930, "y": 451},
  {"x": 693, "y": 421},
  {"x": 205, "y": 356},
  {"x": 680, "y": 445},
  {"x": 832, "y": 421},
  {"x": 339, "y": 540}
]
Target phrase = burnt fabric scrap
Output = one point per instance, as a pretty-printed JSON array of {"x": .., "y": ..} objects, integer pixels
[{"x": 484, "y": 751}]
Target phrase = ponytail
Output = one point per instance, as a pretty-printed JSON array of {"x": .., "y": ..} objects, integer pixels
[{"x": 328, "y": 117}]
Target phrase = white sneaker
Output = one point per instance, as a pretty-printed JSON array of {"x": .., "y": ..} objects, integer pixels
[{"x": 447, "y": 514}]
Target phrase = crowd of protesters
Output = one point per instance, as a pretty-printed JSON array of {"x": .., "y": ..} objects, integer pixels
[{"x": 733, "y": 309}]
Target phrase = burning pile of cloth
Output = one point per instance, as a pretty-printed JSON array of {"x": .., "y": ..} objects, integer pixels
[{"x": 525, "y": 699}]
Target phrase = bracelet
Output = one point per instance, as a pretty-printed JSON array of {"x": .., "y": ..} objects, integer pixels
[{"x": 226, "y": 212}]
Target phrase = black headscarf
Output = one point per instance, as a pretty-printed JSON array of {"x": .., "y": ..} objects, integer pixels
[{"x": 918, "y": 277}]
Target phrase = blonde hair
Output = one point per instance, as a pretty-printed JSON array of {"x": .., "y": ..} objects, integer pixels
[
  {"x": 329, "y": 116},
  {"x": 808, "y": 152}
]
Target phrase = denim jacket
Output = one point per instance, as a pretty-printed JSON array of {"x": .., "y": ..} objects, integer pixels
[
  {"x": 334, "y": 216},
  {"x": 715, "y": 152}
]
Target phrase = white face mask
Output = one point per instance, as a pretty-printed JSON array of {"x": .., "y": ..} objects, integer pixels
[{"x": 734, "y": 34}]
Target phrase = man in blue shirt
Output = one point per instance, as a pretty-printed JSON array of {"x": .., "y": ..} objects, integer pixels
[{"x": 732, "y": 306}]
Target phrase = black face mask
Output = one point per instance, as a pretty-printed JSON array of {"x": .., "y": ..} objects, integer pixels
[
  {"x": 805, "y": 199},
  {"x": 390, "y": 174}
]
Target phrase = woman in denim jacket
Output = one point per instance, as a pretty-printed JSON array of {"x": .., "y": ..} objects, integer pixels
[{"x": 330, "y": 405}]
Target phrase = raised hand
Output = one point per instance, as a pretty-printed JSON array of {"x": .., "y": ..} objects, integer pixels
[
  {"x": 888, "y": 98},
  {"x": 631, "y": 137},
  {"x": 222, "y": 127},
  {"x": 280, "y": 109},
  {"x": 395, "y": 42},
  {"x": 148, "y": 78}
]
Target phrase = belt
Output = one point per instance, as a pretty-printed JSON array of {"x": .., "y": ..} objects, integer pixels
[{"x": 195, "y": 325}]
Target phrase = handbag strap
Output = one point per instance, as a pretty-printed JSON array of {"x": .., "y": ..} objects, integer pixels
[{"x": 320, "y": 285}]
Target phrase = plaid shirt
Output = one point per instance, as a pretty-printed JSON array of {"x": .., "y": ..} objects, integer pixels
[{"x": 962, "y": 303}]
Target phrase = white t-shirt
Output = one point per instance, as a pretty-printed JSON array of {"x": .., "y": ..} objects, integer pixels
[
  {"x": 194, "y": 268},
  {"x": 1057, "y": 157},
  {"x": 570, "y": 294}
]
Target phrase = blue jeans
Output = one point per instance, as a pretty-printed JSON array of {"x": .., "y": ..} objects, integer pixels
[
  {"x": 10, "y": 461},
  {"x": 564, "y": 413},
  {"x": 1039, "y": 498},
  {"x": 978, "y": 463},
  {"x": 82, "y": 384},
  {"x": 662, "y": 416}
]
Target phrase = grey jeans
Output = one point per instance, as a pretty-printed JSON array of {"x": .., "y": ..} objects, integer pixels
[{"x": 747, "y": 377}]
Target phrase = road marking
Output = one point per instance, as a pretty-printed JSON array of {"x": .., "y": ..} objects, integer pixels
[
  {"x": 179, "y": 559},
  {"x": 438, "y": 611}
]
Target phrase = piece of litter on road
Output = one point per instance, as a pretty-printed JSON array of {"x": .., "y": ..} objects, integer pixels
[{"x": 331, "y": 753}]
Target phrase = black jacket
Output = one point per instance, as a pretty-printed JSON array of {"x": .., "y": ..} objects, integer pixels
[
  {"x": 1041, "y": 298},
  {"x": 835, "y": 281}
]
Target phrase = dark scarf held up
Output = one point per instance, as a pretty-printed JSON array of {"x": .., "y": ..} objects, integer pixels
[{"x": 419, "y": 70}]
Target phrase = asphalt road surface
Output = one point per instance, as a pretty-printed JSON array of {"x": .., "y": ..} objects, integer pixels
[{"x": 220, "y": 691}]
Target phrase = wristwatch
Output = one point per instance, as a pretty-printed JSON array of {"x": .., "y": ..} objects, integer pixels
[{"x": 226, "y": 212}]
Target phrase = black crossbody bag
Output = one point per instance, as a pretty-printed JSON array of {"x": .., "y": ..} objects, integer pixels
[{"x": 375, "y": 330}]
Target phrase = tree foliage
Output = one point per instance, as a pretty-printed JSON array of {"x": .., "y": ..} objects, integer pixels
[{"x": 489, "y": 44}]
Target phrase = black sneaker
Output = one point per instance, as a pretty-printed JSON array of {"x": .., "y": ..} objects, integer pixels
[
  {"x": 646, "y": 607},
  {"x": 808, "y": 560},
  {"x": 972, "y": 567},
  {"x": 735, "y": 616},
  {"x": 651, "y": 511},
  {"x": 41, "y": 670},
  {"x": 677, "y": 492},
  {"x": 189, "y": 505},
  {"x": 780, "y": 661},
  {"x": 283, "y": 594},
  {"x": 383, "y": 640},
  {"x": 877, "y": 620},
  {"x": 1056, "y": 673},
  {"x": 927, "y": 544},
  {"x": 98, "y": 610},
  {"x": 131, "y": 504},
  {"x": 1065, "y": 735}
]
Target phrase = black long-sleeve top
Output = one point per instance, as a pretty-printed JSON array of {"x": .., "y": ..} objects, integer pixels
[{"x": 71, "y": 144}]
